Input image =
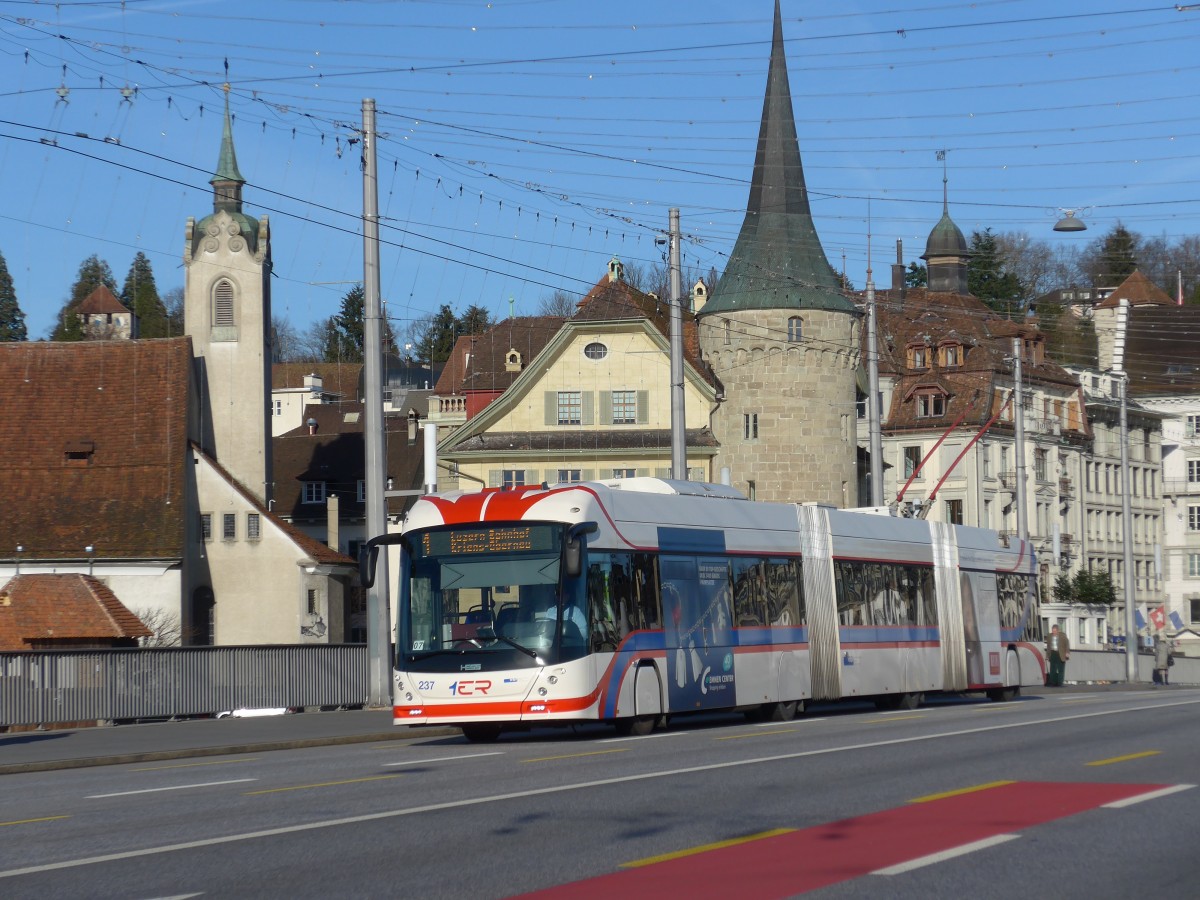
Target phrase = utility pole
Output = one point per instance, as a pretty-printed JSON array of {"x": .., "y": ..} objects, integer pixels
[
  {"x": 1019, "y": 439},
  {"x": 1122, "y": 384},
  {"x": 379, "y": 642},
  {"x": 874, "y": 413},
  {"x": 678, "y": 422}
]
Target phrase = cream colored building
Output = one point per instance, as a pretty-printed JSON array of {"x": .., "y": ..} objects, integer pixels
[{"x": 589, "y": 399}]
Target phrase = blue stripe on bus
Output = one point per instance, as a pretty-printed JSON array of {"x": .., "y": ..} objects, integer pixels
[
  {"x": 886, "y": 634},
  {"x": 638, "y": 642},
  {"x": 763, "y": 635},
  {"x": 691, "y": 540}
]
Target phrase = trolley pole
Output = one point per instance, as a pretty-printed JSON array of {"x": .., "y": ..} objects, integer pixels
[
  {"x": 678, "y": 423},
  {"x": 378, "y": 619}
]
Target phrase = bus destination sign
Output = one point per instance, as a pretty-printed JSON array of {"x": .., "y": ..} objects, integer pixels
[{"x": 497, "y": 539}]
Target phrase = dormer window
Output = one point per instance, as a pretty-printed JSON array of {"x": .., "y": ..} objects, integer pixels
[
  {"x": 931, "y": 403},
  {"x": 918, "y": 356},
  {"x": 78, "y": 454},
  {"x": 951, "y": 355}
]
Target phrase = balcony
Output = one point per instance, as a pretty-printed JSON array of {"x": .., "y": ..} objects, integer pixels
[
  {"x": 1180, "y": 486},
  {"x": 1008, "y": 480},
  {"x": 448, "y": 409}
]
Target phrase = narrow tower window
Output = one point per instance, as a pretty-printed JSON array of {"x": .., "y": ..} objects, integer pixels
[{"x": 223, "y": 305}]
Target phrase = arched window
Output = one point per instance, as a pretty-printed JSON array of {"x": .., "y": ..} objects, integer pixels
[
  {"x": 223, "y": 304},
  {"x": 795, "y": 329},
  {"x": 728, "y": 332}
]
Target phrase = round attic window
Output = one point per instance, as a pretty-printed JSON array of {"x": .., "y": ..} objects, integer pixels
[{"x": 595, "y": 350}]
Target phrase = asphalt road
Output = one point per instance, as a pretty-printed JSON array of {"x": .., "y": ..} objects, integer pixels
[{"x": 1088, "y": 791}]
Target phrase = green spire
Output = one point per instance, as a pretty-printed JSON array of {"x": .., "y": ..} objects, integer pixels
[
  {"x": 227, "y": 167},
  {"x": 777, "y": 262}
]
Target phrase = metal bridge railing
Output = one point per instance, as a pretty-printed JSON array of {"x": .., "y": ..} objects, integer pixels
[{"x": 45, "y": 687}]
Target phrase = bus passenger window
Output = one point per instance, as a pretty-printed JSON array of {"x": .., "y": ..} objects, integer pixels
[
  {"x": 646, "y": 607},
  {"x": 749, "y": 593}
]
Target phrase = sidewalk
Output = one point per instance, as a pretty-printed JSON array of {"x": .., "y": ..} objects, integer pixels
[{"x": 40, "y": 751}]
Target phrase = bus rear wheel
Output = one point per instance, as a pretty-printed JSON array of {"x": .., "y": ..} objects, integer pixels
[
  {"x": 637, "y": 726},
  {"x": 482, "y": 733},
  {"x": 1005, "y": 694}
]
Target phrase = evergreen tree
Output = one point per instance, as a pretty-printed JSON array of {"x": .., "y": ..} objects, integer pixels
[
  {"x": 93, "y": 272},
  {"x": 435, "y": 336},
  {"x": 988, "y": 278},
  {"x": 1118, "y": 255},
  {"x": 916, "y": 276},
  {"x": 476, "y": 320},
  {"x": 140, "y": 294},
  {"x": 343, "y": 334},
  {"x": 12, "y": 320}
]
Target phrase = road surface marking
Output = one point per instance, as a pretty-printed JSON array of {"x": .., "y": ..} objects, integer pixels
[
  {"x": 799, "y": 721},
  {"x": 33, "y": 821},
  {"x": 887, "y": 842},
  {"x": 557, "y": 789},
  {"x": 418, "y": 762},
  {"x": 1150, "y": 795},
  {"x": 754, "y": 734},
  {"x": 1078, "y": 699},
  {"x": 890, "y": 719},
  {"x": 304, "y": 787},
  {"x": 967, "y": 790},
  {"x": 177, "y": 787},
  {"x": 934, "y": 858},
  {"x": 642, "y": 737},
  {"x": 704, "y": 848},
  {"x": 219, "y": 762},
  {"x": 574, "y": 755},
  {"x": 1125, "y": 758}
]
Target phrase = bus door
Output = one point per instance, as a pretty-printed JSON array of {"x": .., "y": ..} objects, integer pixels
[{"x": 699, "y": 632}]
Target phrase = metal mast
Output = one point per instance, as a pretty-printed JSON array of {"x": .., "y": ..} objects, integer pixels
[
  {"x": 678, "y": 422},
  {"x": 378, "y": 620}
]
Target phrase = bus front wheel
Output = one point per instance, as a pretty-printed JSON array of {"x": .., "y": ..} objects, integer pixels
[
  {"x": 637, "y": 726},
  {"x": 482, "y": 733}
]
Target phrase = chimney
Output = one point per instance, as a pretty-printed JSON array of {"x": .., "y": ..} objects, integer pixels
[
  {"x": 898, "y": 270},
  {"x": 312, "y": 426},
  {"x": 314, "y": 384},
  {"x": 331, "y": 527}
]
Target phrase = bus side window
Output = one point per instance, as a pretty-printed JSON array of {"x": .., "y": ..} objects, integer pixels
[
  {"x": 646, "y": 606},
  {"x": 784, "y": 590},
  {"x": 608, "y": 593}
]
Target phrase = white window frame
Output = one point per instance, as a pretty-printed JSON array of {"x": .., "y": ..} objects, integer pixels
[
  {"x": 512, "y": 478},
  {"x": 624, "y": 407},
  {"x": 253, "y": 526},
  {"x": 570, "y": 407},
  {"x": 1194, "y": 517},
  {"x": 229, "y": 526},
  {"x": 750, "y": 426},
  {"x": 313, "y": 492}
]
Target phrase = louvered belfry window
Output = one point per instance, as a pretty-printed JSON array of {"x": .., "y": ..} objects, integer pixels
[{"x": 223, "y": 305}]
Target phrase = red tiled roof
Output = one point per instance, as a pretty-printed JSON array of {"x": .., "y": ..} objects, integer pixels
[
  {"x": 1139, "y": 291},
  {"x": 336, "y": 378},
  {"x": 101, "y": 301},
  {"x": 477, "y": 362},
  {"x": 39, "y": 609},
  {"x": 93, "y": 444}
]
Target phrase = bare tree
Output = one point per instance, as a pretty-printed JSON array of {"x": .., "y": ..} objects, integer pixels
[
  {"x": 560, "y": 303},
  {"x": 166, "y": 628}
]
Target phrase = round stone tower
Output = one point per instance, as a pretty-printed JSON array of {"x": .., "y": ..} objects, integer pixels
[{"x": 780, "y": 333}]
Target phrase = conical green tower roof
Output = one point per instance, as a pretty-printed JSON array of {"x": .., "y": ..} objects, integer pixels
[
  {"x": 227, "y": 167},
  {"x": 777, "y": 262}
]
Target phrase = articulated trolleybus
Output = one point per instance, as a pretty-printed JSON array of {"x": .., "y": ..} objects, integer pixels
[{"x": 632, "y": 600}]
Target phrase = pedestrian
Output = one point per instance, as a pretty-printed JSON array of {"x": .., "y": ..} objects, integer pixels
[
  {"x": 1162, "y": 659},
  {"x": 1058, "y": 651}
]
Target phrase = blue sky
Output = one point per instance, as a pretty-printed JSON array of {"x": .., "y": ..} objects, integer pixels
[{"x": 523, "y": 143}]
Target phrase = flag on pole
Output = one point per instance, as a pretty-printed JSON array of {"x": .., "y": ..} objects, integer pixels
[
  {"x": 1176, "y": 622},
  {"x": 1139, "y": 616},
  {"x": 1158, "y": 618}
]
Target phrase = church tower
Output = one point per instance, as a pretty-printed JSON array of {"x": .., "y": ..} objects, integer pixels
[
  {"x": 780, "y": 334},
  {"x": 946, "y": 254},
  {"x": 227, "y": 314}
]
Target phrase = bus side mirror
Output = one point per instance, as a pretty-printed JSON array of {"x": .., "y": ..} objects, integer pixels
[
  {"x": 367, "y": 556},
  {"x": 573, "y": 552}
]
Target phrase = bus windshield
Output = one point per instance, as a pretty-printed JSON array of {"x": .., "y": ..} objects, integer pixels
[{"x": 488, "y": 589}]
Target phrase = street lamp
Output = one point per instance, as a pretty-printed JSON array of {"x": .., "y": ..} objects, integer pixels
[{"x": 1068, "y": 223}]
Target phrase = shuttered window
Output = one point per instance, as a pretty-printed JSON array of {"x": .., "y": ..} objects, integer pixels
[{"x": 223, "y": 304}]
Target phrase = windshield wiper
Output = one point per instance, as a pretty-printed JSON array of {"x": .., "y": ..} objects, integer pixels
[
  {"x": 483, "y": 634},
  {"x": 489, "y": 635}
]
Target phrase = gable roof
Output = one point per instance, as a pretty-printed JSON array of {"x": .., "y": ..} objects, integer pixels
[
  {"x": 336, "y": 455},
  {"x": 93, "y": 443},
  {"x": 336, "y": 378},
  {"x": 101, "y": 301},
  {"x": 1139, "y": 291},
  {"x": 477, "y": 362},
  {"x": 62, "y": 608}
]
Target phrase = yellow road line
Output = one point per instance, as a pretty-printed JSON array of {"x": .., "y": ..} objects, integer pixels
[
  {"x": 220, "y": 762},
  {"x": 892, "y": 719},
  {"x": 1125, "y": 758},
  {"x": 574, "y": 755},
  {"x": 1078, "y": 699},
  {"x": 967, "y": 790},
  {"x": 301, "y": 787},
  {"x": 704, "y": 848},
  {"x": 738, "y": 737},
  {"x": 33, "y": 821}
]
